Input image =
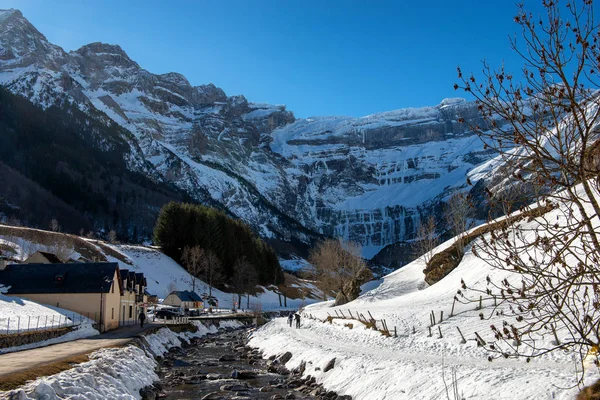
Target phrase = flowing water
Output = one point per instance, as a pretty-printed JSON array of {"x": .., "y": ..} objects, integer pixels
[{"x": 219, "y": 366}]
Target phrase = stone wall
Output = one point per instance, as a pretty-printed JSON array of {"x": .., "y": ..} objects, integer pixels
[{"x": 31, "y": 337}]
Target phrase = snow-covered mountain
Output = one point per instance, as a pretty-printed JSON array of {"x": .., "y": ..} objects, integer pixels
[{"x": 368, "y": 179}]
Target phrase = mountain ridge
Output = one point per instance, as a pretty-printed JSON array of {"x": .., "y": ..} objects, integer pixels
[{"x": 354, "y": 177}]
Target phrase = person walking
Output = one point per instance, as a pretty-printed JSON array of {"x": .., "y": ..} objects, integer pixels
[
  {"x": 297, "y": 317},
  {"x": 290, "y": 319},
  {"x": 142, "y": 318}
]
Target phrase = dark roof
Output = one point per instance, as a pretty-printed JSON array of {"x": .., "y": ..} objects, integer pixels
[
  {"x": 53, "y": 258},
  {"x": 58, "y": 278},
  {"x": 185, "y": 295}
]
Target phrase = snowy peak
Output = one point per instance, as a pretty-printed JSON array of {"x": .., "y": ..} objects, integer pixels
[
  {"x": 106, "y": 54},
  {"x": 21, "y": 44}
]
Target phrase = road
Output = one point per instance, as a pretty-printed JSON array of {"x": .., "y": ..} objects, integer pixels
[{"x": 19, "y": 361}]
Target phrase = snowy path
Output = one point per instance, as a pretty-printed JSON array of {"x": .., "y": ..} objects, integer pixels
[
  {"x": 331, "y": 344},
  {"x": 23, "y": 360},
  {"x": 369, "y": 366}
]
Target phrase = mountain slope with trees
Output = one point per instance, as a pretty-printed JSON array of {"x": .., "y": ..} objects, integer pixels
[{"x": 212, "y": 244}]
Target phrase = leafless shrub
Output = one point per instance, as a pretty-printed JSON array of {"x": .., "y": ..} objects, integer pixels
[{"x": 550, "y": 141}]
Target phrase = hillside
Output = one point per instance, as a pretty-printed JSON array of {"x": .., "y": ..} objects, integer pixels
[
  {"x": 415, "y": 364},
  {"x": 163, "y": 274}
]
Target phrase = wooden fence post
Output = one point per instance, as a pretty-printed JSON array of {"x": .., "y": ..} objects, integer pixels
[
  {"x": 440, "y": 331},
  {"x": 480, "y": 341},
  {"x": 554, "y": 333},
  {"x": 463, "y": 341}
]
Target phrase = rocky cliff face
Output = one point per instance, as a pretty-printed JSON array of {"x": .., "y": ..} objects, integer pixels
[{"x": 367, "y": 179}]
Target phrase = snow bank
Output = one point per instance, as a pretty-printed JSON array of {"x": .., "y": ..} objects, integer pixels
[
  {"x": 116, "y": 373},
  {"x": 112, "y": 373},
  {"x": 230, "y": 323},
  {"x": 160, "y": 342}
]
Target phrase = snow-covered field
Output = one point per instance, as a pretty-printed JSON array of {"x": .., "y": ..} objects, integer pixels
[
  {"x": 19, "y": 315},
  {"x": 112, "y": 373},
  {"x": 415, "y": 365}
]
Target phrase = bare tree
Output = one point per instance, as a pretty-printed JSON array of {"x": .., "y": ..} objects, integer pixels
[
  {"x": 210, "y": 265},
  {"x": 112, "y": 236},
  {"x": 63, "y": 250},
  {"x": 171, "y": 287},
  {"x": 244, "y": 278},
  {"x": 458, "y": 212},
  {"x": 192, "y": 258},
  {"x": 340, "y": 268},
  {"x": 54, "y": 226},
  {"x": 544, "y": 124},
  {"x": 427, "y": 238}
]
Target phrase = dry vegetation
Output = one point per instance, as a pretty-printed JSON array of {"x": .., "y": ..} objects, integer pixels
[
  {"x": 13, "y": 381},
  {"x": 444, "y": 262},
  {"x": 53, "y": 240}
]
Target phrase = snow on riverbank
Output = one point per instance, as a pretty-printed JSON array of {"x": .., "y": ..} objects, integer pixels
[{"x": 112, "y": 373}]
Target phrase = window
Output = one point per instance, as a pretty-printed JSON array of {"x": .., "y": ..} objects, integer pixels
[
  {"x": 112, "y": 315},
  {"x": 130, "y": 311},
  {"x": 112, "y": 287}
]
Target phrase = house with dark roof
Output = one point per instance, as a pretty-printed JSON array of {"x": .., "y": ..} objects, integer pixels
[
  {"x": 91, "y": 289},
  {"x": 184, "y": 299},
  {"x": 43, "y": 257}
]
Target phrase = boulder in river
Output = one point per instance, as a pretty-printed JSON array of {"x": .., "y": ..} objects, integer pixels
[
  {"x": 287, "y": 356},
  {"x": 228, "y": 357},
  {"x": 243, "y": 374}
]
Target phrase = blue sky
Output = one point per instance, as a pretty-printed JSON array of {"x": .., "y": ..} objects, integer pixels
[{"x": 324, "y": 57}]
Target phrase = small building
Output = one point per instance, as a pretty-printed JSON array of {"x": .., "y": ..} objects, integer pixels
[
  {"x": 43, "y": 257},
  {"x": 92, "y": 289},
  {"x": 184, "y": 299}
]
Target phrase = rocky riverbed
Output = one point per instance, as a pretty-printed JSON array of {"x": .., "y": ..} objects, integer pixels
[{"x": 221, "y": 367}]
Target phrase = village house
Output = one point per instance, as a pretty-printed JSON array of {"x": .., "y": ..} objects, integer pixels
[
  {"x": 134, "y": 297},
  {"x": 43, "y": 257},
  {"x": 183, "y": 299},
  {"x": 93, "y": 290}
]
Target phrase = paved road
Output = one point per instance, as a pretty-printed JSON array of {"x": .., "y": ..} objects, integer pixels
[{"x": 23, "y": 360}]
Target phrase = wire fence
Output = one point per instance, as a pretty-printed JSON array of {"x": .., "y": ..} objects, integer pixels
[{"x": 29, "y": 323}]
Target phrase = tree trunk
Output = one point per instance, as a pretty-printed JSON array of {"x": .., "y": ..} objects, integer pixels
[
  {"x": 239, "y": 300},
  {"x": 248, "y": 300}
]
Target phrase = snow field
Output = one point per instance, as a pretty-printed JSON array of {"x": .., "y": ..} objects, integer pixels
[{"x": 19, "y": 315}]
